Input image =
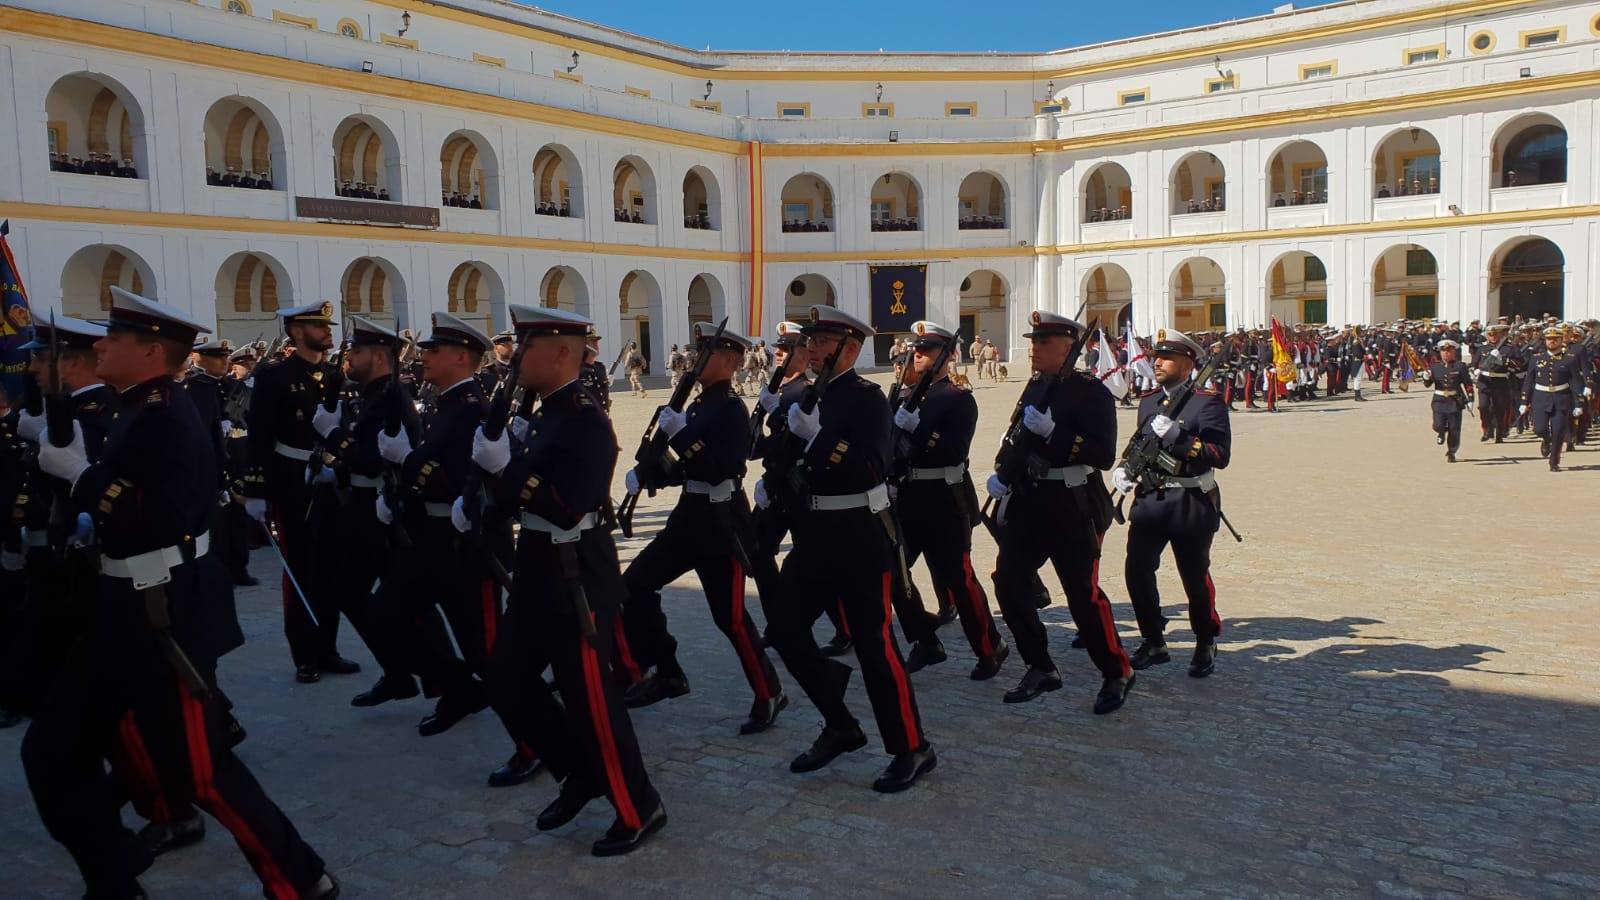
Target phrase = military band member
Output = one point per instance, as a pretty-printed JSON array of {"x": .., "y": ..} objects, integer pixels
[
  {"x": 567, "y": 589},
  {"x": 1062, "y": 518},
  {"x": 1451, "y": 381},
  {"x": 595, "y": 375},
  {"x": 1184, "y": 511},
  {"x": 151, "y": 648},
  {"x": 1552, "y": 393}
]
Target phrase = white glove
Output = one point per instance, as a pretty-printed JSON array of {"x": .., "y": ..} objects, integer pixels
[
  {"x": 29, "y": 427},
  {"x": 256, "y": 508},
  {"x": 1161, "y": 425},
  {"x": 672, "y": 421},
  {"x": 1121, "y": 481},
  {"x": 767, "y": 400},
  {"x": 325, "y": 475},
  {"x": 631, "y": 481},
  {"x": 83, "y": 532},
  {"x": 1588, "y": 391},
  {"x": 394, "y": 449},
  {"x": 1495, "y": 353},
  {"x": 805, "y": 425},
  {"x": 325, "y": 422},
  {"x": 762, "y": 500},
  {"x": 907, "y": 420},
  {"x": 65, "y": 463},
  {"x": 380, "y": 507},
  {"x": 226, "y": 426},
  {"x": 458, "y": 515},
  {"x": 1577, "y": 410},
  {"x": 1041, "y": 423},
  {"x": 997, "y": 488},
  {"x": 1522, "y": 410},
  {"x": 518, "y": 426},
  {"x": 491, "y": 456}
]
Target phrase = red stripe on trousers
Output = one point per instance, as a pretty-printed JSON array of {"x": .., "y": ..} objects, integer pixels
[
  {"x": 1099, "y": 599},
  {"x": 913, "y": 738},
  {"x": 144, "y": 769},
  {"x": 844, "y": 621},
  {"x": 601, "y": 714},
  {"x": 205, "y": 790},
  {"x": 753, "y": 671},
  {"x": 486, "y": 588},
  {"x": 624, "y": 653},
  {"x": 980, "y": 605},
  {"x": 1211, "y": 600}
]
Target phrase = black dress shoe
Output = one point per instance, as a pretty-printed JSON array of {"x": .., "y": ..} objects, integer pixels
[
  {"x": 164, "y": 837},
  {"x": 1544, "y": 448},
  {"x": 1449, "y": 457},
  {"x": 621, "y": 839},
  {"x": 654, "y": 688},
  {"x": 245, "y": 579},
  {"x": 307, "y": 674},
  {"x": 764, "y": 713},
  {"x": 838, "y": 645},
  {"x": 518, "y": 769},
  {"x": 325, "y": 888},
  {"x": 829, "y": 745},
  {"x": 9, "y": 719},
  {"x": 1113, "y": 693},
  {"x": 338, "y": 665},
  {"x": 1484, "y": 439},
  {"x": 1439, "y": 439},
  {"x": 924, "y": 653},
  {"x": 1034, "y": 682},
  {"x": 948, "y": 614},
  {"x": 1205, "y": 659},
  {"x": 904, "y": 770},
  {"x": 571, "y": 801},
  {"x": 452, "y": 709},
  {"x": 386, "y": 689},
  {"x": 989, "y": 666},
  {"x": 1077, "y": 642},
  {"x": 1150, "y": 653}
]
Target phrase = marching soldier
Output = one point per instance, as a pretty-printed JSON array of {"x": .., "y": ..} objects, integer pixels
[
  {"x": 1060, "y": 517},
  {"x": 498, "y": 363},
  {"x": 595, "y": 376},
  {"x": 677, "y": 364},
  {"x": 208, "y": 383},
  {"x": 1552, "y": 391},
  {"x": 634, "y": 364},
  {"x": 147, "y": 660},
  {"x": 843, "y": 546},
  {"x": 1495, "y": 389},
  {"x": 567, "y": 590},
  {"x": 1184, "y": 511},
  {"x": 1451, "y": 381}
]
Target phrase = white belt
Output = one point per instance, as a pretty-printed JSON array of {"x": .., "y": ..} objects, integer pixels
[
  {"x": 363, "y": 481},
  {"x": 1444, "y": 393},
  {"x": 946, "y": 474},
  {"x": 1551, "y": 388},
  {"x": 1071, "y": 476},
  {"x": 874, "y": 500},
  {"x": 1205, "y": 481},
  {"x": 155, "y": 567},
  {"x": 721, "y": 492},
  {"x": 437, "y": 510},
  {"x": 12, "y": 561},
  {"x": 557, "y": 534},
  {"x": 283, "y": 449},
  {"x": 1482, "y": 374}
]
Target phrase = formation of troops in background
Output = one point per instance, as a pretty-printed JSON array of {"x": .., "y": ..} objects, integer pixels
[{"x": 142, "y": 469}]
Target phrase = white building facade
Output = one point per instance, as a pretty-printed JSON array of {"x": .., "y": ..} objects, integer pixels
[{"x": 1345, "y": 164}]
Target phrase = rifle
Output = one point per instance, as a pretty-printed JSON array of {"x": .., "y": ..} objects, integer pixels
[
  {"x": 477, "y": 494},
  {"x": 815, "y": 391},
  {"x": 913, "y": 401},
  {"x": 621, "y": 355},
  {"x": 651, "y": 457},
  {"x": 393, "y": 423},
  {"x": 1146, "y": 461},
  {"x": 58, "y": 431},
  {"x": 759, "y": 415}
]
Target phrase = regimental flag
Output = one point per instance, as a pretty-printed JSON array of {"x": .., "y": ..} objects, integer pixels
[
  {"x": 1282, "y": 360},
  {"x": 899, "y": 297},
  {"x": 1414, "y": 364},
  {"x": 1138, "y": 357},
  {"x": 1106, "y": 368},
  {"x": 16, "y": 321}
]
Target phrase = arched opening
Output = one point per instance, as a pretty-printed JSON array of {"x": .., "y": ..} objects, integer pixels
[
  {"x": 469, "y": 176},
  {"x": 985, "y": 307},
  {"x": 1297, "y": 289},
  {"x": 896, "y": 203},
  {"x": 558, "y": 182},
  {"x": 639, "y": 302},
  {"x": 243, "y": 146},
  {"x": 1527, "y": 278},
  {"x": 90, "y": 273},
  {"x": 366, "y": 160},
  {"x": 94, "y": 127},
  {"x": 249, "y": 289},
  {"x": 476, "y": 295},
  {"x": 707, "y": 302},
  {"x": 1108, "y": 194},
  {"x": 1406, "y": 164},
  {"x": 805, "y": 292},
  {"x": 1405, "y": 284},
  {"x": 1531, "y": 150},
  {"x": 702, "y": 200},
  {"x": 563, "y": 288},
  {"x": 807, "y": 203},
  {"x": 1107, "y": 292},
  {"x": 1297, "y": 175},
  {"x": 1199, "y": 185},
  {"x": 372, "y": 288},
  {"x": 633, "y": 192},
  {"x": 1199, "y": 296},
  {"x": 981, "y": 202}
]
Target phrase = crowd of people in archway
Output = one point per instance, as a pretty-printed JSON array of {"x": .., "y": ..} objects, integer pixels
[
  {"x": 547, "y": 208},
  {"x": 1300, "y": 198},
  {"x": 1206, "y": 205},
  {"x": 980, "y": 223},
  {"x": 94, "y": 164},
  {"x": 260, "y": 181},
  {"x": 360, "y": 190},
  {"x": 460, "y": 200},
  {"x": 791, "y": 225},
  {"x": 899, "y": 223},
  {"x": 1414, "y": 187},
  {"x": 1109, "y": 214},
  {"x": 622, "y": 215},
  {"x": 697, "y": 221}
]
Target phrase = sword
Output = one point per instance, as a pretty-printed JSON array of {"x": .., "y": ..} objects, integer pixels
[{"x": 295, "y": 582}]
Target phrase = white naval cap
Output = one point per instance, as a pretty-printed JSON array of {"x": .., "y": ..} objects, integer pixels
[
  {"x": 320, "y": 313},
  {"x": 367, "y": 333},
  {"x": 534, "y": 321},
  {"x": 451, "y": 331},
  {"x": 829, "y": 319},
  {"x": 71, "y": 332},
  {"x": 930, "y": 335},
  {"x": 131, "y": 312},
  {"x": 728, "y": 340},
  {"x": 790, "y": 334},
  {"x": 1172, "y": 342},
  {"x": 1049, "y": 324}
]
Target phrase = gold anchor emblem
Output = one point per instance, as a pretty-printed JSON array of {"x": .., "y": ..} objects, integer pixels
[{"x": 898, "y": 307}]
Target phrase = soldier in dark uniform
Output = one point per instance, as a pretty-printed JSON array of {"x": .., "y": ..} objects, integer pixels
[
  {"x": 210, "y": 377},
  {"x": 567, "y": 590},
  {"x": 843, "y": 555},
  {"x": 1495, "y": 389},
  {"x": 147, "y": 660},
  {"x": 1059, "y": 515},
  {"x": 708, "y": 532},
  {"x": 284, "y": 397},
  {"x": 1451, "y": 381},
  {"x": 498, "y": 364},
  {"x": 595, "y": 377},
  {"x": 937, "y": 502},
  {"x": 13, "y": 590},
  {"x": 1552, "y": 392},
  {"x": 1184, "y": 512}
]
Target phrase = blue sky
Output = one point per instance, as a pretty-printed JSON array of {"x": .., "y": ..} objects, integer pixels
[{"x": 948, "y": 25}]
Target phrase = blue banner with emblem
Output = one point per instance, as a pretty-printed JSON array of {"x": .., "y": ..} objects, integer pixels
[
  {"x": 899, "y": 297},
  {"x": 16, "y": 321}
]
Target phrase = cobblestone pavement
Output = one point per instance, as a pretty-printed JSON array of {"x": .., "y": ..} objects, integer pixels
[{"x": 1404, "y": 704}]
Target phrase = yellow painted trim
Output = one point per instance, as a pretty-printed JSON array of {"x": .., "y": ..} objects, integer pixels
[
  {"x": 636, "y": 91},
  {"x": 248, "y": 9},
  {"x": 707, "y": 105},
  {"x": 567, "y": 76},
  {"x": 1559, "y": 32},
  {"x": 950, "y": 148},
  {"x": 783, "y": 106},
  {"x": 392, "y": 40},
  {"x": 1594, "y": 25},
  {"x": 1224, "y": 83},
  {"x": 1493, "y": 41},
  {"x": 1407, "y": 54},
  {"x": 867, "y": 107},
  {"x": 960, "y": 104},
  {"x": 306, "y": 22},
  {"x": 499, "y": 62},
  {"x": 1332, "y": 65},
  {"x": 1133, "y": 95}
]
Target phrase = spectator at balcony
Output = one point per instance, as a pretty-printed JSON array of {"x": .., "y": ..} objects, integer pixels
[
  {"x": 1433, "y": 184},
  {"x": 247, "y": 181},
  {"x": 264, "y": 181},
  {"x": 1416, "y": 186},
  {"x": 1383, "y": 191},
  {"x": 383, "y": 194}
]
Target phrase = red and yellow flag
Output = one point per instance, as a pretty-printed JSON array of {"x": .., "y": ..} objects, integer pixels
[{"x": 1282, "y": 360}]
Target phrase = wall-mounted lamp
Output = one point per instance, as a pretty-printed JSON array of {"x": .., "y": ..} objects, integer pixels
[
  {"x": 708, "y": 90},
  {"x": 880, "y": 92},
  {"x": 366, "y": 66},
  {"x": 1526, "y": 72},
  {"x": 405, "y": 23},
  {"x": 894, "y": 137},
  {"x": 574, "y": 61}
]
